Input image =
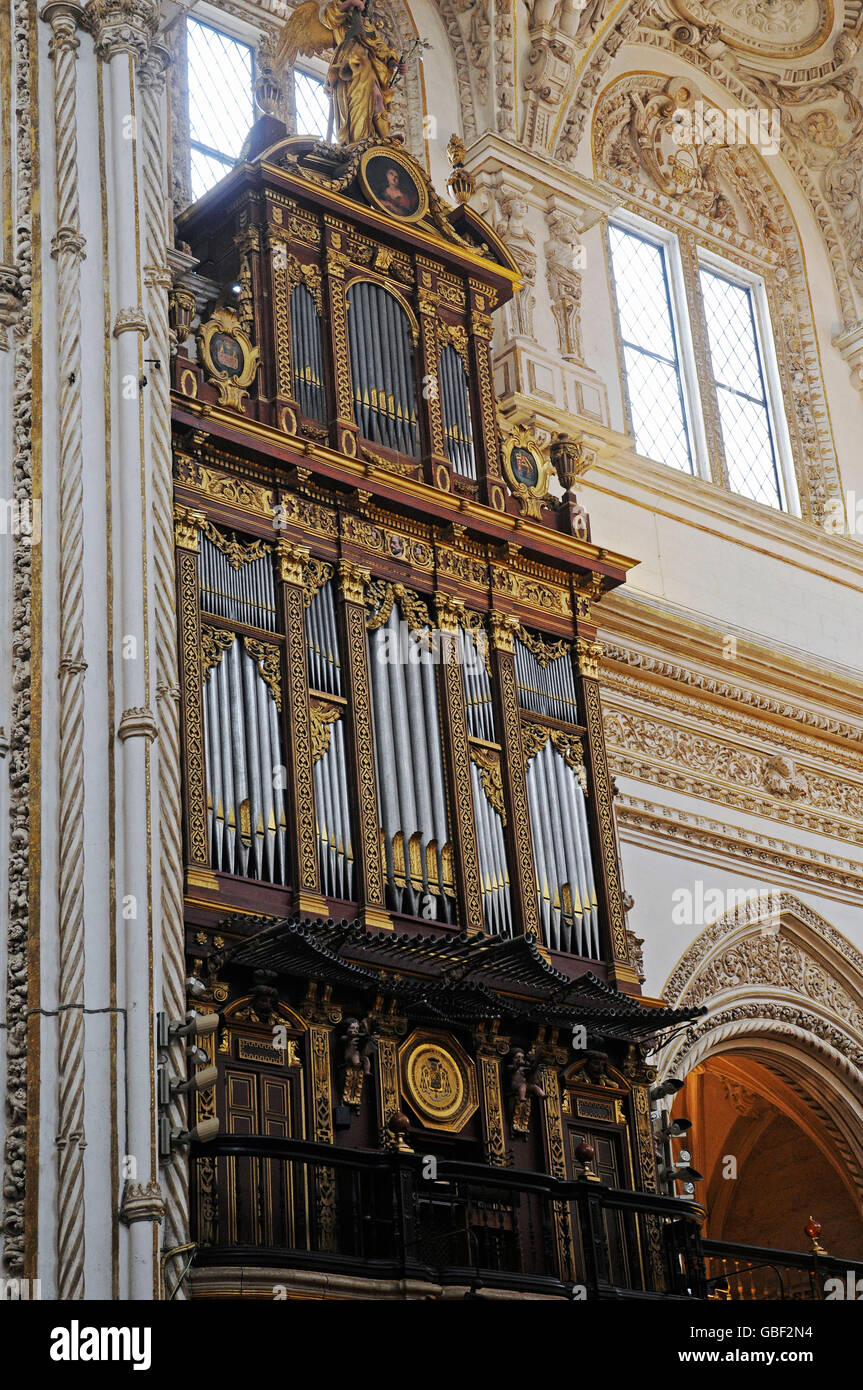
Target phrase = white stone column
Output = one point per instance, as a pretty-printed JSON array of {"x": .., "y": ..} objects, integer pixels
[
  {"x": 123, "y": 32},
  {"x": 171, "y": 986}
]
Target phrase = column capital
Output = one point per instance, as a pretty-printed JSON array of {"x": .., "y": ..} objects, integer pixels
[
  {"x": 352, "y": 581},
  {"x": 504, "y": 627},
  {"x": 291, "y": 560},
  {"x": 187, "y": 526},
  {"x": 123, "y": 26},
  {"x": 65, "y": 19},
  {"x": 588, "y": 656},
  {"x": 153, "y": 67}
]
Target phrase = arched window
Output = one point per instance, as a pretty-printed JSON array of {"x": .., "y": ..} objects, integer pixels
[
  {"x": 307, "y": 355},
  {"x": 382, "y": 368},
  {"x": 455, "y": 401},
  {"x": 670, "y": 407},
  {"x": 217, "y": 98}
]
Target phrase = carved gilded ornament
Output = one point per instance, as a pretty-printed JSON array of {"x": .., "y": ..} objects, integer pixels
[
  {"x": 505, "y": 627},
  {"x": 228, "y": 356},
  {"x": 588, "y": 655},
  {"x": 237, "y": 553},
  {"x": 215, "y": 641},
  {"x": 292, "y": 561},
  {"x": 316, "y": 573},
  {"x": 488, "y": 762},
  {"x": 413, "y": 610},
  {"x": 536, "y": 736},
  {"x": 188, "y": 525},
  {"x": 352, "y": 582},
  {"x": 222, "y": 487},
  {"x": 545, "y": 652},
  {"x": 323, "y": 715},
  {"x": 439, "y": 1081},
  {"x": 269, "y": 662}
]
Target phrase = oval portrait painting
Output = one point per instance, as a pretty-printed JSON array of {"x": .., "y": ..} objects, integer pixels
[{"x": 392, "y": 187}]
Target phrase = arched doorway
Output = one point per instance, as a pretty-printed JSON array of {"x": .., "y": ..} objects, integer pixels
[
  {"x": 773, "y": 1076},
  {"x": 769, "y": 1160}
]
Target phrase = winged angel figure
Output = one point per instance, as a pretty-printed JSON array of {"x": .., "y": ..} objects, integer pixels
[{"x": 361, "y": 72}]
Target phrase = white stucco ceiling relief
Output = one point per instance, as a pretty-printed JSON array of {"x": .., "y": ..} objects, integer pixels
[{"x": 782, "y": 29}]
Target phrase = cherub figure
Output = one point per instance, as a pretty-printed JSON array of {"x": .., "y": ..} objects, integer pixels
[
  {"x": 357, "y": 1045},
  {"x": 522, "y": 1075},
  {"x": 361, "y": 72},
  {"x": 595, "y": 1069}
]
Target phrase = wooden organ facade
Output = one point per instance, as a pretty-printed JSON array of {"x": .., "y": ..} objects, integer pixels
[{"x": 402, "y": 888}]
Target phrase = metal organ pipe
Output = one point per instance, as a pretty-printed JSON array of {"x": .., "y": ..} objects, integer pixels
[
  {"x": 245, "y": 595},
  {"x": 335, "y": 850},
  {"x": 243, "y": 757},
  {"x": 456, "y": 413},
  {"x": 382, "y": 370},
  {"x": 307, "y": 355},
  {"x": 410, "y": 773},
  {"x": 564, "y": 870},
  {"x": 549, "y": 689}
]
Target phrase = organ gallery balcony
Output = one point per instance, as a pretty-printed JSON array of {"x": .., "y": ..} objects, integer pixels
[{"x": 289, "y": 1215}]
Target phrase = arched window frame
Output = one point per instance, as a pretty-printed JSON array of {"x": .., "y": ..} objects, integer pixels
[
  {"x": 763, "y": 239},
  {"x": 685, "y": 255}
]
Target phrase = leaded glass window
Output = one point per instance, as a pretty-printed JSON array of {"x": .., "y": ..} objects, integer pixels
[
  {"x": 720, "y": 417},
  {"x": 312, "y": 104},
  {"x": 221, "y": 107},
  {"x": 741, "y": 391},
  {"x": 650, "y": 350}
]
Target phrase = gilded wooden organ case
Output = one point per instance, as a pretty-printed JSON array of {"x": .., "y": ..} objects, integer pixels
[{"x": 403, "y": 892}]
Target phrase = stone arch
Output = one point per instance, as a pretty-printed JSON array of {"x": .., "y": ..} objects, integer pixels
[{"x": 783, "y": 987}]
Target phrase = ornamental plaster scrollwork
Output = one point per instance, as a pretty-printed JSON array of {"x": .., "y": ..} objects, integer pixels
[
  {"x": 26, "y": 396},
  {"x": 703, "y": 765},
  {"x": 824, "y": 153}
]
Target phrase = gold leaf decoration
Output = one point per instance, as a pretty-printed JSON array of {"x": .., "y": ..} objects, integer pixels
[
  {"x": 488, "y": 762},
  {"x": 323, "y": 716},
  {"x": 269, "y": 665},
  {"x": 237, "y": 552},
  {"x": 545, "y": 652},
  {"x": 214, "y": 641}
]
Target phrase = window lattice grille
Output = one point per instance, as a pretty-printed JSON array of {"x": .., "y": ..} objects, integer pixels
[
  {"x": 312, "y": 104},
  {"x": 221, "y": 106},
  {"x": 650, "y": 349},
  {"x": 747, "y": 433}
]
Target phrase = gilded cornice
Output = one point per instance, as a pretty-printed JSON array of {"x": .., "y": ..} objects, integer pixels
[
  {"x": 669, "y": 830},
  {"x": 657, "y": 654}
]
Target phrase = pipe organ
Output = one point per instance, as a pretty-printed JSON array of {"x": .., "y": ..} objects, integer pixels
[
  {"x": 333, "y": 816},
  {"x": 307, "y": 355},
  {"x": 382, "y": 368},
  {"x": 415, "y": 832},
  {"x": 398, "y": 815},
  {"x": 455, "y": 397}
]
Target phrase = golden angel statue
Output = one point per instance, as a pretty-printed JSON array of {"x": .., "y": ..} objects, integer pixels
[{"x": 362, "y": 69}]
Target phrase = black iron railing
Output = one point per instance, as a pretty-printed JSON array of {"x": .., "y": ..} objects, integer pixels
[
  {"x": 743, "y": 1273},
  {"x": 294, "y": 1204}
]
